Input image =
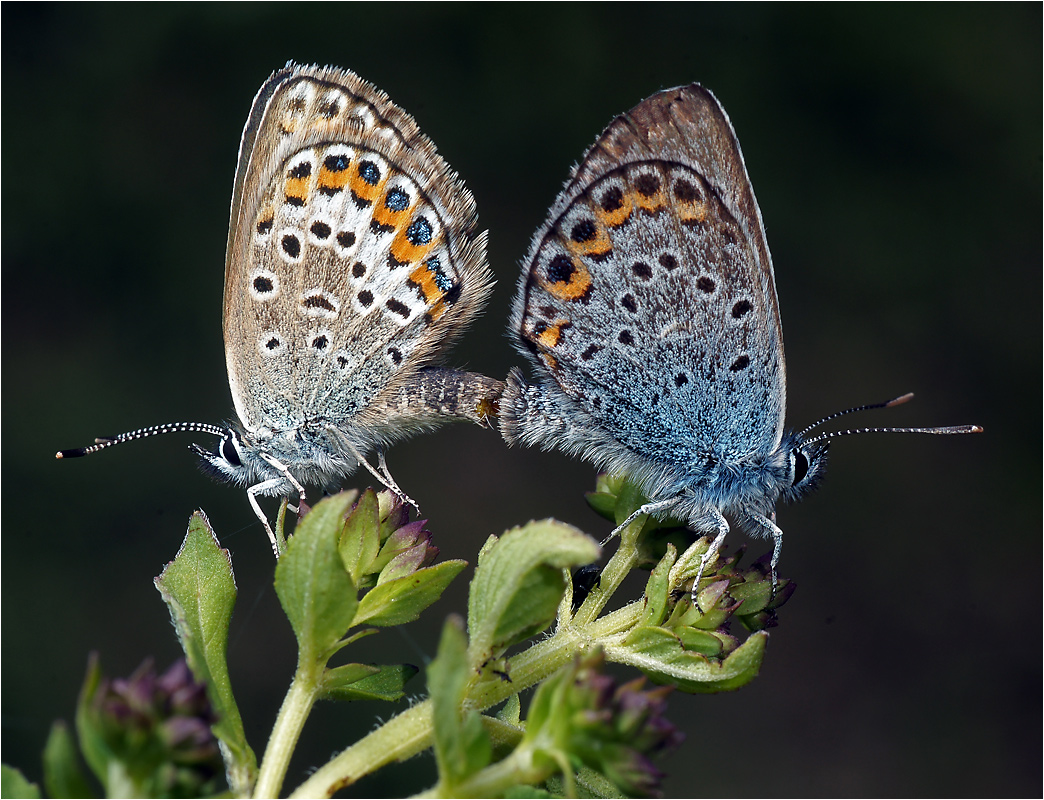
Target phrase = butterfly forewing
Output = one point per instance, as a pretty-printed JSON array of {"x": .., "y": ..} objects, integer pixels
[
  {"x": 354, "y": 245},
  {"x": 652, "y": 226}
]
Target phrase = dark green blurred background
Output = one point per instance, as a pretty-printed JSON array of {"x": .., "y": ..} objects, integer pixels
[{"x": 896, "y": 155}]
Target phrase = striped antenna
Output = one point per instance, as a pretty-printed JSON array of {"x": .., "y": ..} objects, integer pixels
[
  {"x": 898, "y": 401},
  {"x": 171, "y": 427},
  {"x": 946, "y": 431}
]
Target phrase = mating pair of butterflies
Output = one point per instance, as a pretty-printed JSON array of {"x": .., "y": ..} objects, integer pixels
[{"x": 647, "y": 305}]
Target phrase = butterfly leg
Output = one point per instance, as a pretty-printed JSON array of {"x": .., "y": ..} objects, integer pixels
[
  {"x": 381, "y": 473},
  {"x": 646, "y": 509},
  {"x": 279, "y": 465},
  {"x": 252, "y": 493},
  {"x": 769, "y": 526},
  {"x": 382, "y": 465},
  {"x": 719, "y": 524}
]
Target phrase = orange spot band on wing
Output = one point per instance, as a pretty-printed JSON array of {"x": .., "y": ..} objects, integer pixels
[
  {"x": 617, "y": 216},
  {"x": 363, "y": 190},
  {"x": 405, "y": 252},
  {"x": 296, "y": 189},
  {"x": 691, "y": 212},
  {"x": 383, "y": 215},
  {"x": 436, "y": 311},
  {"x": 574, "y": 287},
  {"x": 425, "y": 279},
  {"x": 332, "y": 180},
  {"x": 552, "y": 334},
  {"x": 651, "y": 202},
  {"x": 599, "y": 245}
]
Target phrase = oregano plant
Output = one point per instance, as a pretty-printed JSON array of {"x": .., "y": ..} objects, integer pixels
[{"x": 517, "y": 701}]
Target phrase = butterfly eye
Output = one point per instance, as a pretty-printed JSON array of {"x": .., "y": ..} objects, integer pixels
[
  {"x": 808, "y": 462},
  {"x": 228, "y": 451},
  {"x": 800, "y": 467}
]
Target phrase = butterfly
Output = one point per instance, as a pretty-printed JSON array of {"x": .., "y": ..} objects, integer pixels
[
  {"x": 353, "y": 260},
  {"x": 647, "y": 306}
]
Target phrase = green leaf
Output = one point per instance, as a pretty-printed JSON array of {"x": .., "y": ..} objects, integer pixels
[
  {"x": 14, "y": 784},
  {"x": 504, "y": 736},
  {"x": 595, "y": 784},
  {"x": 539, "y": 596},
  {"x": 659, "y": 653},
  {"x": 336, "y": 678},
  {"x": 606, "y": 495},
  {"x": 95, "y": 751},
  {"x": 403, "y": 599},
  {"x": 106, "y": 765},
  {"x": 63, "y": 776},
  {"x": 519, "y": 583},
  {"x": 717, "y": 612},
  {"x": 317, "y": 594},
  {"x": 199, "y": 589},
  {"x": 546, "y": 707},
  {"x": 367, "y": 682},
  {"x": 462, "y": 747},
  {"x": 392, "y": 513},
  {"x": 522, "y": 792},
  {"x": 754, "y": 596},
  {"x": 629, "y": 498},
  {"x": 511, "y": 712},
  {"x": 697, "y": 641},
  {"x": 404, "y": 563},
  {"x": 658, "y": 589},
  {"x": 280, "y": 526},
  {"x": 602, "y": 503},
  {"x": 359, "y": 542}
]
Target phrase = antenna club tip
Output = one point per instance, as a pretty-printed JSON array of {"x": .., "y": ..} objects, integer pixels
[
  {"x": 59, "y": 454},
  {"x": 975, "y": 429},
  {"x": 906, "y": 398}
]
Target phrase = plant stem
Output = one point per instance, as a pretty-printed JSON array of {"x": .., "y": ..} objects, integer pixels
[
  {"x": 518, "y": 768},
  {"x": 550, "y": 655},
  {"x": 287, "y": 729},
  {"x": 623, "y": 561},
  {"x": 401, "y": 737},
  {"x": 410, "y": 732}
]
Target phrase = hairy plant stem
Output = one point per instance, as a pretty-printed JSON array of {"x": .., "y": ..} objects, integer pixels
[
  {"x": 287, "y": 729},
  {"x": 493, "y": 781}
]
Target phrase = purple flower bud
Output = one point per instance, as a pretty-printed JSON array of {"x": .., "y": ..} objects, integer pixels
[{"x": 152, "y": 723}]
